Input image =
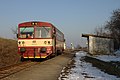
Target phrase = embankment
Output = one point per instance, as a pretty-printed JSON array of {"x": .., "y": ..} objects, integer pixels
[{"x": 8, "y": 52}]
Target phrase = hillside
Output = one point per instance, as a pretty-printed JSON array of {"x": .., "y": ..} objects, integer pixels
[{"x": 8, "y": 52}]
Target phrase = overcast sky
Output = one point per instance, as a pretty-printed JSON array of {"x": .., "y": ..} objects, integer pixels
[{"x": 72, "y": 17}]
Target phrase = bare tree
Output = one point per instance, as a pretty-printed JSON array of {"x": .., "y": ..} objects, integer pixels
[
  {"x": 98, "y": 31},
  {"x": 15, "y": 32},
  {"x": 114, "y": 26},
  {"x": 101, "y": 31}
]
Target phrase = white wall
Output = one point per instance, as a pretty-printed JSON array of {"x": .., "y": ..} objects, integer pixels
[{"x": 99, "y": 45}]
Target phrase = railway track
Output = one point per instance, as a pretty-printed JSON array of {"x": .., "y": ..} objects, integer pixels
[{"x": 9, "y": 70}]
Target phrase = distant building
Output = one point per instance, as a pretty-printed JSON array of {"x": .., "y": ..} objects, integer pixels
[
  {"x": 99, "y": 44},
  {"x": 72, "y": 46},
  {"x": 64, "y": 45}
]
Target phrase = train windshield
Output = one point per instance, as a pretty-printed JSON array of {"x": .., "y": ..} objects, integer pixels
[
  {"x": 26, "y": 32},
  {"x": 43, "y": 32}
]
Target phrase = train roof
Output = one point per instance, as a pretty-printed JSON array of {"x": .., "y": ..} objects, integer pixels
[
  {"x": 39, "y": 23},
  {"x": 87, "y": 35}
]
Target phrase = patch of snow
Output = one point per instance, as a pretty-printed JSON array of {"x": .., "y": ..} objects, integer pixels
[
  {"x": 117, "y": 52},
  {"x": 85, "y": 71},
  {"x": 108, "y": 58}
]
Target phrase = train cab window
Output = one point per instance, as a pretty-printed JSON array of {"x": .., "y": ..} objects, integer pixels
[
  {"x": 26, "y": 32},
  {"x": 42, "y": 32}
]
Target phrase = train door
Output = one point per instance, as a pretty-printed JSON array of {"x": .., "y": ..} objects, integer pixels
[{"x": 54, "y": 42}]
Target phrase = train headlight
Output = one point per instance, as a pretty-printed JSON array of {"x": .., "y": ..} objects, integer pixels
[
  {"x": 23, "y": 42},
  {"x": 19, "y": 42},
  {"x": 34, "y": 23},
  {"x": 49, "y": 42},
  {"x": 22, "y": 50},
  {"x": 45, "y": 42}
]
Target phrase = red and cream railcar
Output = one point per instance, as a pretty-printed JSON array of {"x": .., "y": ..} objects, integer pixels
[{"x": 39, "y": 40}]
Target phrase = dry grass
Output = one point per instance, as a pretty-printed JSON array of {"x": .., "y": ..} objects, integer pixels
[{"x": 8, "y": 52}]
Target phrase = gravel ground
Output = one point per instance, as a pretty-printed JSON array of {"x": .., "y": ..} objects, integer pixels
[{"x": 46, "y": 70}]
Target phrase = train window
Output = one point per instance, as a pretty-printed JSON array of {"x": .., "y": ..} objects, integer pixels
[
  {"x": 43, "y": 32},
  {"x": 59, "y": 36},
  {"x": 26, "y": 32}
]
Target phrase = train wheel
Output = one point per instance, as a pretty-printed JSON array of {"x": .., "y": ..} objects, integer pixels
[
  {"x": 58, "y": 52},
  {"x": 48, "y": 57}
]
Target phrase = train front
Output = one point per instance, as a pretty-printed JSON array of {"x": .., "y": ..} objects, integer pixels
[{"x": 35, "y": 40}]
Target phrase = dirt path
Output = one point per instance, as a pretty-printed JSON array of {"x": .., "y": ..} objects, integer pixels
[{"x": 47, "y": 70}]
